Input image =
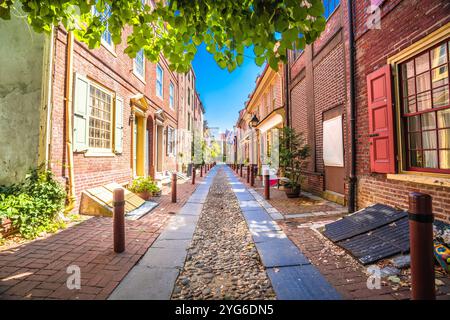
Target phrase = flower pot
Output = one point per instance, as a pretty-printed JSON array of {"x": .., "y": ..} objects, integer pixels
[
  {"x": 292, "y": 192},
  {"x": 146, "y": 195}
]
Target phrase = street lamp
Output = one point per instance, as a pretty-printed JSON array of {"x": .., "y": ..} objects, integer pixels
[{"x": 254, "y": 121}]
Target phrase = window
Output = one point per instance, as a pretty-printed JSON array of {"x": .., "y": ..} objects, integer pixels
[
  {"x": 100, "y": 118},
  {"x": 170, "y": 141},
  {"x": 139, "y": 64},
  {"x": 269, "y": 143},
  {"x": 296, "y": 52},
  {"x": 189, "y": 122},
  {"x": 189, "y": 96},
  {"x": 104, "y": 16},
  {"x": 426, "y": 110},
  {"x": 274, "y": 97},
  {"x": 330, "y": 7},
  {"x": 171, "y": 98},
  {"x": 159, "y": 81}
]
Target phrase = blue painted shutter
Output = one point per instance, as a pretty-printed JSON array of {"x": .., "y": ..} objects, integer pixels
[{"x": 81, "y": 114}]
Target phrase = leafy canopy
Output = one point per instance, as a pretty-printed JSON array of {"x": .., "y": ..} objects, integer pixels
[{"x": 179, "y": 27}]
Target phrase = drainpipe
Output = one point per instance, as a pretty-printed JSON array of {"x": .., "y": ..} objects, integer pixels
[
  {"x": 68, "y": 110},
  {"x": 286, "y": 92},
  {"x": 352, "y": 178}
]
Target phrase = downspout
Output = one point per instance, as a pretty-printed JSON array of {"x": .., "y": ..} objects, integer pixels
[
  {"x": 286, "y": 92},
  {"x": 352, "y": 178},
  {"x": 69, "y": 130}
]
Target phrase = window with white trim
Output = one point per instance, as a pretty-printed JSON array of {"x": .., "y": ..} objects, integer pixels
[
  {"x": 170, "y": 141},
  {"x": 100, "y": 118},
  {"x": 330, "y": 6},
  {"x": 139, "y": 64},
  {"x": 159, "y": 81},
  {"x": 104, "y": 16},
  {"x": 171, "y": 96}
]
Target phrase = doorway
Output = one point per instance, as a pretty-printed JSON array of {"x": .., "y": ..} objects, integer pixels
[{"x": 333, "y": 151}]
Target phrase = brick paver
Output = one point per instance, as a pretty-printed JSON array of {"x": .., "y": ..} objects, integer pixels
[{"x": 38, "y": 269}]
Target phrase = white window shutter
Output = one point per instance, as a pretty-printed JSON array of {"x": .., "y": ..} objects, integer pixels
[
  {"x": 175, "y": 142},
  {"x": 81, "y": 114},
  {"x": 118, "y": 134}
]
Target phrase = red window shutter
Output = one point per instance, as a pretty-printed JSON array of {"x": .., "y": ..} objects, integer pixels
[{"x": 381, "y": 121}]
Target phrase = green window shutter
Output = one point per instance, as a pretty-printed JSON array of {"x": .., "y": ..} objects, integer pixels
[
  {"x": 81, "y": 114},
  {"x": 118, "y": 134}
]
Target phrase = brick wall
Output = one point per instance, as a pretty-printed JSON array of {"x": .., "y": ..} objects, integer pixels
[
  {"x": 403, "y": 23},
  {"x": 317, "y": 84},
  {"x": 114, "y": 71}
]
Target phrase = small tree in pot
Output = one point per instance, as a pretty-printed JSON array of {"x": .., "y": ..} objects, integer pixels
[{"x": 294, "y": 153}]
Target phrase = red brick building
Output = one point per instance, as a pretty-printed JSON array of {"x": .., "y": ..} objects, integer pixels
[
  {"x": 401, "y": 122},
  {"x": 403, "y": 144},
  {"x": 318, "y": 98}
]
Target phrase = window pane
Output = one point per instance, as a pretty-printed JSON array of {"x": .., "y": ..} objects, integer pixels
[
  {"x": 439, "y": 76},
  {"x": 423, "y": 82},
  {"x": 444, "y": 118},
  {"x": 444, "y": 157},
  {"x": 440, "y": 97},
  {"x": 410, "y": 104},
  {"x": 424, "y": 101},
  {"x": 415, "y": 159},
  {"x": 408, "y": 69},
  {"x": 422, "y": 63},
  {"x": 439, "y": 55},
  {"x": 429, "y": 139},
  {"x": 444, "y": 139},
  {"x": 430, "y": 159},
  {"x": 414, "y": 141},
  {"x": 413, "y": 124},
  {"x": 428, "y": 121}
]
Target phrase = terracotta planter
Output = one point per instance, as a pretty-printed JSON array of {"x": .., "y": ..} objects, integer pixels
[
  {"x": 292, "y": 192},
  {"x": 146, "y": 195}
]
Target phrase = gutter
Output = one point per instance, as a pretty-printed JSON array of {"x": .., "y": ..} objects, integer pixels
[
  {"x": 352, "y": 178},
  {"x": 68, "y": 125}
]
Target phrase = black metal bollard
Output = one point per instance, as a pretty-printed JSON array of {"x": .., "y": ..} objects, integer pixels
[{"x": 193, "y": 174}]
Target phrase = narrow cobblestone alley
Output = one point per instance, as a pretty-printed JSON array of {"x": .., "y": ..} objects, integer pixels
[{"x": 222, "y": 262}]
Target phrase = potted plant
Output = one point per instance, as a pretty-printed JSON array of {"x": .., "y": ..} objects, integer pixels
[
  {"x": 294, "y": 153},
  {"x": 144, "y": 187}
]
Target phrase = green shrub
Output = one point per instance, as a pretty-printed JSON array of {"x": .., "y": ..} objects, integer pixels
[
  {"x": 141, "y": 184},
  {"x": 34, "y": 204}
]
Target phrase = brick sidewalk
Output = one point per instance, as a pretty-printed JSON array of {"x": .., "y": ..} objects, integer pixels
[{"x": 37, "y": 269}]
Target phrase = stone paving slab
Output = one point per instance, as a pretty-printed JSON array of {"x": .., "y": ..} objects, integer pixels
[
  {"x": 268, "y": 236},
  {"x": 146, "y": 283},
  {"x": 256, "y": 215},
  {"x": 263, "y": 226},
  {"x": 280, "y": 253},
  {"x": 164, "y": 257},
  {"x": 301, "y": 283},
  {"x": 171, "y": 244},
  {"x": 191, "y": 209}
]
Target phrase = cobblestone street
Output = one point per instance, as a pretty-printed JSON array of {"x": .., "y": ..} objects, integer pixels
[{"x": 223, "y": 262}]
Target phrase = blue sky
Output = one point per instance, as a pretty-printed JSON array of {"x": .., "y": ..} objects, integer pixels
[{"x": 223, "y": 93}]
